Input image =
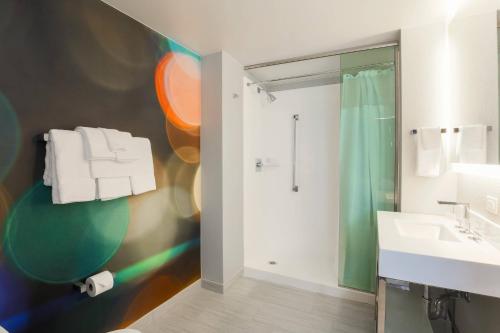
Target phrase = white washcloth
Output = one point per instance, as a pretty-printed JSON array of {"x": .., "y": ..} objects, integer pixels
[
  {"x": 117, "y": 140},
  {"x": 96, "y": 146},
  {"x": 472, "y": 144},
  {"x": 71, "y": 181},
  {"x": 119, "y": 143},
  {"x": 429, "y": 150},
  {"x": 140, "y": 171},
  {"x": 112, "y": 188}
]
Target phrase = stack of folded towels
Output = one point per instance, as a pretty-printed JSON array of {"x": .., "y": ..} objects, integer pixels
[{"x": 97, "y": 163}]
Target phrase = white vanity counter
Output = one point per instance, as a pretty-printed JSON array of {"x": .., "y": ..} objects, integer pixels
[{"x": 429, "y": 250}]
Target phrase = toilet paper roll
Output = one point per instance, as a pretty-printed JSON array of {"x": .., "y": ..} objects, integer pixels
[{"x": 99, "y": 283}]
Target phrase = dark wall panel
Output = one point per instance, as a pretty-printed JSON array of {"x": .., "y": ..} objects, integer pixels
[{"x": 68, "y": 63}]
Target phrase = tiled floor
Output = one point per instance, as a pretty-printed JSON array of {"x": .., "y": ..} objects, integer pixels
[{"x": 257, "y": 306}]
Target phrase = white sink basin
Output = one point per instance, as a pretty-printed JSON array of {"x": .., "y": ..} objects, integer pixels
[
  {"x": 425, "y": 231},
  {"x": 428, "y": 250}
]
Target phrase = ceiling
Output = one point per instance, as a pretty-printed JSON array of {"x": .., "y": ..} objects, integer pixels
[{"x": 255, "y": 31}]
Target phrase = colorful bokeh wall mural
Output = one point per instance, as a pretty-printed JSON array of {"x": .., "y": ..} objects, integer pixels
[{"x": 68, "y": 63}]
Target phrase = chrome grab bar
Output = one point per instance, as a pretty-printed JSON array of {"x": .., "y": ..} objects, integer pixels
[{"x": 295, "y": 186}]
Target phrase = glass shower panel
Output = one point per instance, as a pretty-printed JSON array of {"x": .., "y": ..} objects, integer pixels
[{"x": 367, "y": 160}]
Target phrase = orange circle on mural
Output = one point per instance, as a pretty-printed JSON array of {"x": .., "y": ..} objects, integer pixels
[{"x": 178, "y": 88}]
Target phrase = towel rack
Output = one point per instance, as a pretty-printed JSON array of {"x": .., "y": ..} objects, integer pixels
[
  {"x": 44, "y": 137},
  {"x": 457, "y": 129},
  {"x": 414, "y": 131}
]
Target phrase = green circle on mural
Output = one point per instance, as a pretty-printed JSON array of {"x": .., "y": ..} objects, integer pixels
[{"x": 63, "y": 243}]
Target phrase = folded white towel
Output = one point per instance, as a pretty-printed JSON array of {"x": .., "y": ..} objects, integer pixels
[
  {"x": 429, "y": 150},
  {"x": 117, "y": 140},
  {"x": 47, "y": 173},
  {"x": 71, "y": 181},
  {"x": 140, "y": 171},
  {"x": 111, "y": 169},
  {"x": 472, "y": 144},
  {"x": 119, "y": 143},
  {"x": 112, "y": 188},
  {"x": 127, "y": 156},
  {"x": 96, "y": 146},
  {"x": 143, "y": 178}
]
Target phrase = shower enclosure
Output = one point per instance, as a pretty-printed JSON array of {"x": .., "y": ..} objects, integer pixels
[
  {"x": 368, "y": 163},
  {"x": 321, "y": 158}
]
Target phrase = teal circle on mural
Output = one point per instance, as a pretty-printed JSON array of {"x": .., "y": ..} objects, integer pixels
[
  {"x": 63, "y": 243},
  {"x": 167, "y": 45},
  {"x": 10, "y": 136}
]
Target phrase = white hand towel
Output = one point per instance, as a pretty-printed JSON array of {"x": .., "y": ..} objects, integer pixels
[
  {"x": 71, "y": 181},
  {"x": 96, "y": 146},
  {"x": 111, "y": 169},
  {"x": 140, "y": 171},
  {"x": 117, "y": 140},
  {"x": 143, "y": 178},
  {"x": 472, "y": 144},
  {"x": 429, "y": 150},
  {"x": 126, "y": 156},
  {"x": 113, "y": 188}
]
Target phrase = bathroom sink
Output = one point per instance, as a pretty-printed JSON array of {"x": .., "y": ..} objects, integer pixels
[
  {"x": 425, "y": 231},
  {"x": 429, "y": 250}
]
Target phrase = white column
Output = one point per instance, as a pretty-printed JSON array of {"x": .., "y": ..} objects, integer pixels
[{"x": 222, "y": 171}]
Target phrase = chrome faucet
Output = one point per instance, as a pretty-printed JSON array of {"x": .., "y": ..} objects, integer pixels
[{"x": 466, "y": 206}]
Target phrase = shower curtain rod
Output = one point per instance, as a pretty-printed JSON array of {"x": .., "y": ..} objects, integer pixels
[
  {"x": 322, "y": 55},
  {"x": 319, "y": 73}
]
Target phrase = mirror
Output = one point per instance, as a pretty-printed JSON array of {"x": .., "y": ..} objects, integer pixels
[{"x": 474, "y": 88}]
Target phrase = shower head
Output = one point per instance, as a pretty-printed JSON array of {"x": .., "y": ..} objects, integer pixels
[{"x": 271, "y": 97}]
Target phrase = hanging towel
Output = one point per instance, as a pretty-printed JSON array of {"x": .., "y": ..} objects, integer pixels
[
  {"x": 112, "y": 188},
  {"x": 119, "y": 143},
  {"x": 111, "y": 169},
  {"x": 70, "y": 172},
  {"x": 472, "y": 144},
  {"x": 116, "y": 140},
  {"x": 126, "y": 156},
  {"x": 143, "y": 177},
  {"x": 429, "y": 150},
  {"x": 140, "y": 171},
  {"x": 47, "y": 173},
  {"x": 96, "y": 146}
]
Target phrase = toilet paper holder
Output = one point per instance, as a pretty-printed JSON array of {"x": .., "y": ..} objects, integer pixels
[
  {"x": 80, "y": 286},
  {"x": 98, "y": 286}
]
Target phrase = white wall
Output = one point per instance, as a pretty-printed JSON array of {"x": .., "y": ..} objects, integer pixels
[
  {"x": 481, "y": 315},
  {"x": 477, "y": 63},
  {"x": 232, "y": 166},
  {"x": 424, "y": 62},
  {"x": 222, "y": 171},
  {"x": 211, "y": 171},
  {"x": 297, "y": 230},
  {"x": 474, "y": 74}
]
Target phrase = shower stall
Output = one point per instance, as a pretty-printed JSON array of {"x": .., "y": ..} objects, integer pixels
[{"x": 321, "y": 156}]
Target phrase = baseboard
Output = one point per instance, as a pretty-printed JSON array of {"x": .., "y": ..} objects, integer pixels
[
  {"x": 219, "y": 287},
  {"x": 212, "y": 286},
  {"x": 353, "y": 295}
]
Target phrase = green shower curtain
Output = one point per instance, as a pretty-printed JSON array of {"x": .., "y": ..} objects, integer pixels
[{"x": 367, "y": 170}]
